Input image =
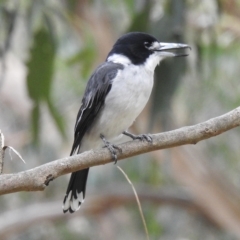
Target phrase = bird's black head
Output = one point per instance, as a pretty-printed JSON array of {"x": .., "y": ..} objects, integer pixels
[
  {"x": 138, "y": 48},
  {"x": 134, "y": 45}
]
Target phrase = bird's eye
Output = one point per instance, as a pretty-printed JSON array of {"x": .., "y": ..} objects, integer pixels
[{"x": 147, "y": 44}]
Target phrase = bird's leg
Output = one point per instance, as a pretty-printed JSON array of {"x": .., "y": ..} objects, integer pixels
[
  {"x": 141, "y": 137},
  {"x": 111, "y": 147}
]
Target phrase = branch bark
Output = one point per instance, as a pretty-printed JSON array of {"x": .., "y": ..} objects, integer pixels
[{"x": 37, "y": 179}]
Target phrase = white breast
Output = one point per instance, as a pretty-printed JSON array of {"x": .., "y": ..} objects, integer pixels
[{"x": 128, "y": 96}]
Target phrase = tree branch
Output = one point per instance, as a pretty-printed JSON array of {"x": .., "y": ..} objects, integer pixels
[
  {"x": 37, "y": 179},
  {"x": 12, "y": 221}
]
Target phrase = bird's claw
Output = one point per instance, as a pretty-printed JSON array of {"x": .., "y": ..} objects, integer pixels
[
  {"x": 111, "y": 147},
  {"x": 141, "y": 137}
]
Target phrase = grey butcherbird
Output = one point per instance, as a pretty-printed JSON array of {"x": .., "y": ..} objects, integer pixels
[{"x": 115, "y": 95}]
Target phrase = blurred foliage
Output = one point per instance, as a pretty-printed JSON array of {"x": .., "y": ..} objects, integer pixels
[
  {"x": 172, "y": 69},
  {"x": 85, "y": 58},
  {"x": 140, "y": 20}
]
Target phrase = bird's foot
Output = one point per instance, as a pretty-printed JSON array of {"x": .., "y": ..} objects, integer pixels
[
  {"x": 111, "y": 147},
  {"x": 141, "y": 137}
]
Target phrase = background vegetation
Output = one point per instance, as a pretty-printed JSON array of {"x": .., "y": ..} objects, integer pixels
[{"x": 47, "y": 52}]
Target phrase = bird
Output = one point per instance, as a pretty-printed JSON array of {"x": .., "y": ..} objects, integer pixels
[{"x": 115, "y": 95}]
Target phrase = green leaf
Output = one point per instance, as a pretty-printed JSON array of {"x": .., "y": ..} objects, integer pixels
[
  {"x": 41, "y": 66},
  {"x": 40, "y": 77}
]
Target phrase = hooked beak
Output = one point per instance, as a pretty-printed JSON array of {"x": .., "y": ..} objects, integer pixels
[{"x": 172, "y": 49}]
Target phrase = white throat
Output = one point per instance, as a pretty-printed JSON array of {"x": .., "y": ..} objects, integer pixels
[{"x": 152, "y": 61}]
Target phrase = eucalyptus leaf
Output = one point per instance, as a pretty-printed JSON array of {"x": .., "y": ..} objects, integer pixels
[{"x": 40, "y": 77}]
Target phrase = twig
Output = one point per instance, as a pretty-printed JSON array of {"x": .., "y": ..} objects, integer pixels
[
  {"x": 138, "y": 202},
  {"x": 35, "y": 179},
  {"x": 15, "y": 151},
  {"x": 3, "y": 149}
]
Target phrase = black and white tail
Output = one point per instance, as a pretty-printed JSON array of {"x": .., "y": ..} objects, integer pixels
[{"x": 76, "y": 191}]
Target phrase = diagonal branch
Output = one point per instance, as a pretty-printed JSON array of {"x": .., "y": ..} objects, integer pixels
[{"x": 37, "y": 179}]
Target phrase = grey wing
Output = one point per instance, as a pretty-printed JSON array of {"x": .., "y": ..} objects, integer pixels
[{"x": 93, "y": 100}]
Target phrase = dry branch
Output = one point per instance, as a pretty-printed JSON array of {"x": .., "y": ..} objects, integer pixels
[{"x": 37, "y": 179}]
